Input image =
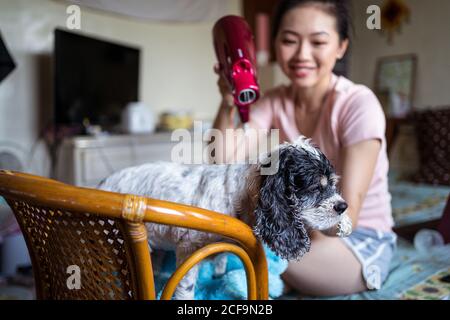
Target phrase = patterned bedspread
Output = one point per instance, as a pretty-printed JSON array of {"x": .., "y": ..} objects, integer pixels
[
  {"x": 413, "y": 275},
  {"x": 413, "y": 203}
]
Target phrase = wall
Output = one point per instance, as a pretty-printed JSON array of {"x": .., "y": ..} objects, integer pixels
[
  {"x": 177, "y": 66},
  {"x": 177, "y": 61},
  {"x": 426, "y": 35}
]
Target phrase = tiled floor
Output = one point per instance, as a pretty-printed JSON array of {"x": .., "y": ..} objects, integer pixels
[
  {"x": 17, "y": 288},
  {"x": 12, "y": 292}
]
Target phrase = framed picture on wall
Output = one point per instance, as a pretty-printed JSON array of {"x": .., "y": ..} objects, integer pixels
[{"x": 395, "y": 83}]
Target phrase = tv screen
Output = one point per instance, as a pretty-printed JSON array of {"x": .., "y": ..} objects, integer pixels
[{"x": 94, "y": 80}]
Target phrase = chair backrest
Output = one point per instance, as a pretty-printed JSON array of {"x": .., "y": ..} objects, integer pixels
[{"x": 101, "y": 236}]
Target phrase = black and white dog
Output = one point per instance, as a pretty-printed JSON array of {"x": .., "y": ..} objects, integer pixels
[{"x": 281, "y": 208}]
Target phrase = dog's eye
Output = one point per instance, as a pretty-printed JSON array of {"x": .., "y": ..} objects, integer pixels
[
  {"x": 334, "y": 179},
  {"x": 315, "y": 189}
]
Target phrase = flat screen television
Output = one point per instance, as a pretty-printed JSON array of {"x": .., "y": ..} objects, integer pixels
[{"x": 94, "y": 81}]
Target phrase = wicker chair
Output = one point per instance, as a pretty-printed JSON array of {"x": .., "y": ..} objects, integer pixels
[{"x": 103, "y": 234}]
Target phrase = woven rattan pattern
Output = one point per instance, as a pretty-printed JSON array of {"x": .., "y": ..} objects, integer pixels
[{"x": 59, "y": 239}]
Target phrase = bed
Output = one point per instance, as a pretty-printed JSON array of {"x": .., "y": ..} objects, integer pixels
[
  {"x": 413, "y": 275},
  {"x": 415, "y": 203}
]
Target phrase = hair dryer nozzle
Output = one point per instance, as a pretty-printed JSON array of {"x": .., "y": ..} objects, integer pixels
[{"x": 247, "y": 96}]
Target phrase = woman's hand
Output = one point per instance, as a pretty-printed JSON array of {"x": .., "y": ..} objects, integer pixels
[
  {"x": 343, "y": 229},
  {"x": 227, "y": 97}
]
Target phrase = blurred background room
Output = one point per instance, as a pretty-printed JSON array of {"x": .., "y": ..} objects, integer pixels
[{"x": 88, "y": 87}]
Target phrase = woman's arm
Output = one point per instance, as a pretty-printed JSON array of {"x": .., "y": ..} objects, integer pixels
[
  {"x": 358, "y": 166},
  {"x": 225, "y": 128},
  {"x": 242, "y": 144},
  {"x": 226, "y": 113}
]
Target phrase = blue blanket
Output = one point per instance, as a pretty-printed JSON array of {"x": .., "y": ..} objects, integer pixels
[{"x": 231, "y": 285}]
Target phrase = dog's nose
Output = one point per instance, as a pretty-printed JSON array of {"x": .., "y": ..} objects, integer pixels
[{"x": 340, "y": 207}]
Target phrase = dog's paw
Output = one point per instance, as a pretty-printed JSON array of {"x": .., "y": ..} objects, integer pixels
[{"x": 344, "y": 228}]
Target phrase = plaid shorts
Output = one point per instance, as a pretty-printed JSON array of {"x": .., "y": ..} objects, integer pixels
[{"x": 374, "y": 250}]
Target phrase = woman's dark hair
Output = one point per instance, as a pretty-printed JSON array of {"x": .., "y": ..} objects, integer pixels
[{"x": 340, "y": 9}]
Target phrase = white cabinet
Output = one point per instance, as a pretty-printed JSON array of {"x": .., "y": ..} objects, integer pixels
[{"x": 85, "y": 161}]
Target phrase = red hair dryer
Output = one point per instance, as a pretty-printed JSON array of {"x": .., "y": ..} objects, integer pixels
[{"x": 235, "y": 50}]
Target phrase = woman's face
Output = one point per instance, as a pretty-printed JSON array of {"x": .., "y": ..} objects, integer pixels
[{"x": 307, "y": 45}]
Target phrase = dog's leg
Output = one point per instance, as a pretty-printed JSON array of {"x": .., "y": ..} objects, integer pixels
[
  {"x": 158, "y": 259},
  {"x": 186, "y": 287},
  {"x": 220, "y": 264}
]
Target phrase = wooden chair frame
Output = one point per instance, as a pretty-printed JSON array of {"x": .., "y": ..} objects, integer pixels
[{"x": 134, "y": 211}]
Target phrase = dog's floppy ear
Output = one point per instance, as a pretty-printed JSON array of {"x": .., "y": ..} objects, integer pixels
[{"x": 275, "y": 222}]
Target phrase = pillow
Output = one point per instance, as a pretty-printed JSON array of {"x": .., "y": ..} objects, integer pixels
[{"x": 432, "y": 129}]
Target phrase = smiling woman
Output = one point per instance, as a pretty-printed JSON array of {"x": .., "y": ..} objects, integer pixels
[{"x": 346, "y": 121}]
